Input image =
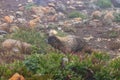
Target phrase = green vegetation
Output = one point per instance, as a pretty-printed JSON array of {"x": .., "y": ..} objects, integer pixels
[
  {"x": 29, "y": 6},
  {"x": 104, "y": 3},
  {"x": 37, "y": 39},
  {"x": 113, "y": 34},
  {"x": 54, "y": 66},
  {"x": 117, "y": 17},
  {"x": 76, "y": 15}
]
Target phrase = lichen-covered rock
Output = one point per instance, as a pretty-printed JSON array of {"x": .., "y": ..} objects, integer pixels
[
  {"x": 8, "y": 19},
  {"x": 16, "y": 45},
  {"x": 95, "y": 23},
  {"x": 17, "y": 76},
  {"x": 33, "y": 23},
  {"x": 96, "y": 14},
  {"x": 108, "y": 18},
  {"x": 13, "y": 29},
  {"x": 4, "y": 27}
]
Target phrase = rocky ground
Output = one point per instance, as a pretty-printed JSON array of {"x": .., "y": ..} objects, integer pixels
[{"x": 101, "y": 33}]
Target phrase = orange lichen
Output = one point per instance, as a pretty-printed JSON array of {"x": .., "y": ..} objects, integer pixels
[
  {"x": 17, "y": 76},
  {"x": 8, "y": 19},
  {"x": 33, "y": 23}
]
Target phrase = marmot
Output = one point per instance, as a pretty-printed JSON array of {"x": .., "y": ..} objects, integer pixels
[{"x": 68, "y": 44}]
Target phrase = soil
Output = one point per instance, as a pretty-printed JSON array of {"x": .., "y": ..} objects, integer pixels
[{"x": 104, "y": 38}]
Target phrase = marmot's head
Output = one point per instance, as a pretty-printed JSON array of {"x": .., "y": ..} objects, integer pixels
[
  {"x": 52, "y": 32},
  {"x": 54, "y": 42}
]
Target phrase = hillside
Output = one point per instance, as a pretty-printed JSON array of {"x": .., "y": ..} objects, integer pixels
[{"x": 59, "y": 39}]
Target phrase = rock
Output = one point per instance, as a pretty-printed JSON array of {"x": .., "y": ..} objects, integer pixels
[
  {"x": 21, "y": 8},
  {"x": 17, "y": 76},
  {"x": 60, "y": 7},
  {"x": 60, "y": 16},
  {"x": 12, "y": 17},
  {"x": 77, "y": 20},
  {"x": 8, "y": 19},
  {"x": 95, "y": 23},
  {"x": 13, "y": 29},
  {"x": 49, "y": 10},
  {"x": 19, "y": 5},
  {"x": 33, "y": 23},
  {"x": 19, "y": 14},
  {"x": 67, "y": 44},
  {"x": 51, "y": 4},
  {"x": 88, "y": 38},
  {"x": 52, "y": 18},
  {"x": 38, "y": 11},
  {"x": 92, "y": 5},
  {"x": 96, "y": 14},
  {"x": 71, "y": 7},
  {"x": 108, "y": 18},
  {"x": 116, "y": 3},
  {"x": 21, "y": 20},
  {"x": 16, "y": 45},
  {"x": 67, "y": 24},
  {"x": 3, "y": 32},
  {"x": 4, "y": 27},
  {"x": 30, "y": 1}
]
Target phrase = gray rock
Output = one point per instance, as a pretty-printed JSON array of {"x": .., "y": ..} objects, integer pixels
[
  {"x": 60, "y": 7},
  {"x": 3, "y": 32},
  {"x": 19, "y": 14},
  {"x": 116, "y": 3}
]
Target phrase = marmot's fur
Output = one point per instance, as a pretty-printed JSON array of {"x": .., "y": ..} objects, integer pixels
[{"x": 68, "y": 44}]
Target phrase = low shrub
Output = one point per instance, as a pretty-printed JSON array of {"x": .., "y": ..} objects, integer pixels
[
  {"x": 90, "y": 67},
  {"x": 54, "y": 66},
  {"x": 117, "y": 17},
  {"x": 76, "y": 15},
  {"x": 104, "y": 3}
]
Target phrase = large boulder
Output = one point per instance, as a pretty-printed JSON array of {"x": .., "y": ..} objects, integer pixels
[
  {"x": 96, "y": 14},
  {"x": 67, "y": 44},
  {"x": 108, "y": 18},
  {"x": 4, "y": 27},
  {"x": 16, "y": 46},
  {"x": 116, "y": 3}
]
